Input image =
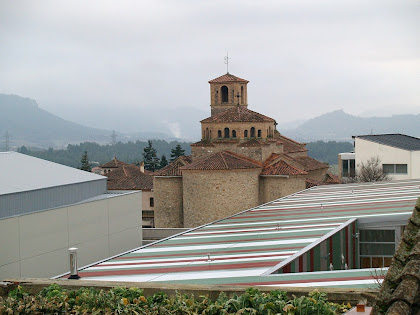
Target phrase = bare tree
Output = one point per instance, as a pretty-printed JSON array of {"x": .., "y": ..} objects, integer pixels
[{"x": 371, "y": 171}]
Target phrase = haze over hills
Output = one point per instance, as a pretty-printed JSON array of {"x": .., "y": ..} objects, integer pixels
[
  {"x": 29, "y": 125},
  {"x": 340, "y": 126}
]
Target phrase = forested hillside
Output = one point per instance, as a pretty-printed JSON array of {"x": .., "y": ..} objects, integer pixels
[
  {"x": 130, "y": 152},
  {"x": 328, "y": 151}
]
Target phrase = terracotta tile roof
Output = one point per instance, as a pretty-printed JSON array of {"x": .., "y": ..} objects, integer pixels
[
  {"x": 310, "y": 164},
  {"x": 290, "y": 145},
  {"x": 331, "y": 179},
  {"x": 292, "y": 148},
  {"x": 252, "y": 143},
  {"x": 202, "y": 143},
  {"x": 238, "y": 114},
  {"x": 312, "y": 183},
  {"x": 226, "y": 78},
  {"x": 173, "y": 169},
  {"x": 114, "y": 163},
  {"x": 272, "y": 158},
  {"x": 280, "y": 167},
  {"x": 129, "y": 177},
  {"x": 225, "y": 160},
  {"x": 400, "y": 292}
]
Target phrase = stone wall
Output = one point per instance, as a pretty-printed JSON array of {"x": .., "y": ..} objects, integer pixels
[
  {"x": 168, "y": 202},
  {"x": 234, "y": 88},
  {"x": 275, "y": 187},
  {"x": 225, "y": 192}
]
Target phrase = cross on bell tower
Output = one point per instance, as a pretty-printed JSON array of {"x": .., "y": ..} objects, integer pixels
[{"x": 227, "y": 62}]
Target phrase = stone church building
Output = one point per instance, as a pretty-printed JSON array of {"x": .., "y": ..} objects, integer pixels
[{"x": 240, "y": 162}]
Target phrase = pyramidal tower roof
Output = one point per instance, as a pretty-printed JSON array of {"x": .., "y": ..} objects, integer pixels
[{"x": 228, "y": 78}]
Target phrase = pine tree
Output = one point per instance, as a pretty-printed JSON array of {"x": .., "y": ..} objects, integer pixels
[
  {"x": 163, "y": 161},
  {"x": 85, "y": 162},
  {"x": 177, "y": 152},
  {"x": 151, "y": 161}
]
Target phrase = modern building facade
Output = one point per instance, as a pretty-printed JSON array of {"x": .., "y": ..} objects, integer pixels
[
  {"x": 46, "y": 208},
  {"x": 399, "y": 155},
  {"x": 326, "y": 236}
]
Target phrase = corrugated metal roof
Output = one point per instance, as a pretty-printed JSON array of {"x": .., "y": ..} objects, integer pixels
[
  {"x": 241, "y": 248},
  {"x": 20, "y": 172},
  {"x": 395, "y": 140}
]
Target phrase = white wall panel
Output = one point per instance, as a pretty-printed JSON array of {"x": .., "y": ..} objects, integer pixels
[
  {"x": 36, "y": 244},
  {"x": 9, "y": 241}
]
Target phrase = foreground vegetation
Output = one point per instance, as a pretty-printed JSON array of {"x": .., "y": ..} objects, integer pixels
[{"x": 118, "y": 300}]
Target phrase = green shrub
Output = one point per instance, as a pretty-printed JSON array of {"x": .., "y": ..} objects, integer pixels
[{"x": 120, "y": 300}]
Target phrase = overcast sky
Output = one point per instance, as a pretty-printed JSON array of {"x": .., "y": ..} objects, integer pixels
[{"x": 88, "y": 60}]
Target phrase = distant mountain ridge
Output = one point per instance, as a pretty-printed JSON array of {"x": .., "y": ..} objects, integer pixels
[
  {"x": 340, "y": 126},
  {"x": 27, "y": 124}
]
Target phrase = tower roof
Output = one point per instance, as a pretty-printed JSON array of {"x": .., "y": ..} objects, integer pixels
[
  {"x": 227, "y": 78},
  {"x": 238, "y": 114}
]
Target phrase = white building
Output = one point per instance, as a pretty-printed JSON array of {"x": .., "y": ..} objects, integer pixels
[
  {"x": 399, "y": 155},
  {"x": 46, "y": 208}
]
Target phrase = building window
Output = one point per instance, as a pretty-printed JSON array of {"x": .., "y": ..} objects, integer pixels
[
  {"x": 252, "y": 132},
  {"x": 259, "y": 133},
  {"x": 219, "y": 134},
  {"x": 152, "y": 202},
  {"x": 376, "y": 248},
  {"x": 246, "y": 134},
  {"x": 227, "y": 135},
  {"x": 233, "y": 133},
  {"x": 225, "y": 94},
  {"x": 348, "y": 168},
  {"x": 242, "y": 95},
  {"x": 395, "y": 168}
]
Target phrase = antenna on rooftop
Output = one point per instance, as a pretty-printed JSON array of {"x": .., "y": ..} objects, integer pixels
[{"x": 227, "y": 62}]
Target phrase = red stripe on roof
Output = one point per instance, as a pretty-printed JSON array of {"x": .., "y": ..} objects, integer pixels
[
  {"x": 305, "y": 209},
  {"x": 257, "y": 230},
  {"x": 191, "y": 260},
  {"x": 212, "y": 253},
  {"x": 240, "y": 240},
  {"x": 209, "y": 267}
]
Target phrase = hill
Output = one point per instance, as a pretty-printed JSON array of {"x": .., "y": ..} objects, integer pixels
[
  {"x": 28, "y": 124},
  {"x": 340, "y": 126}
]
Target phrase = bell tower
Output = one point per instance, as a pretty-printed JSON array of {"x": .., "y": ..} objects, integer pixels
[{"x": 227, "y": 91}]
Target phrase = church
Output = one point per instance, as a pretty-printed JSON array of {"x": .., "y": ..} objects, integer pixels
[{"x": 241, "y": 162}]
